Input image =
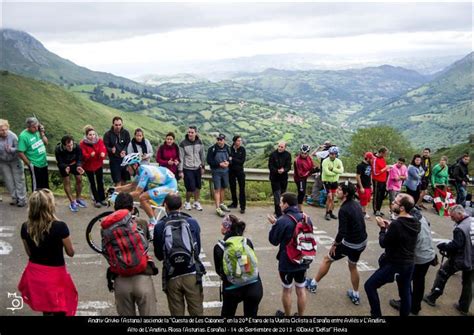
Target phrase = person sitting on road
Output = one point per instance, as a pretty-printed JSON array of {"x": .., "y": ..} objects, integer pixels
[{"x": 150, "y": 183}]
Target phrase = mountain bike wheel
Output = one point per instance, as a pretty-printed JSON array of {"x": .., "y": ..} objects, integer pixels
[{"x": 93, "y": 237}]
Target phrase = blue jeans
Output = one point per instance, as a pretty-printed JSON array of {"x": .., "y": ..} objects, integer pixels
[
  {"x": 388, "y": 273},
  {"x": 461, "y": 193}
]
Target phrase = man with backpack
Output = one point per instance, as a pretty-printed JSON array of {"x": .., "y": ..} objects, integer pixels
[
  {"x": 177, "y": 242},
  {"x": 459, "y": 172},
  {"x": 292, "y": 231},
  {"x": 350, "y": 241},
  {"x": 130, "y": 270}
]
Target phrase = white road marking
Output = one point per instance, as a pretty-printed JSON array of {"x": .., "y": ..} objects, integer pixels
[
  {"x": 207, "y": 264},
  {"x": 320, "y": 232},
  {"x": 212, "y": 274},
  {"x": 212, "y": 304},
  {"x": 4, "y": 231},
  {"x": 5, "y": 248},
  {"x": 94, "y": 305},
  {"x": 362, "y": 266}
]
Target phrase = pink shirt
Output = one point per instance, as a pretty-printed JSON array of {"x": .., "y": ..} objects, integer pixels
[{"x": 393, "y": 183}]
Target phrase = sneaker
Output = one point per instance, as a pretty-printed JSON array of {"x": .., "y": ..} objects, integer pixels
[
  {"x": 242, "y": 211},
  {"x": 73, "y": 207},
  {"x": 104, "y": 203},
  {"x": 311, "y": 285},
  {"x": 367, "y": 217},
  {"x": 458, "y": 308},
  {"x": 220, "y": 212},
  {"x": 332, "y": 216},
  {"x": 280, "y": 313},
  {"x": 327, "y": 217},
  {"x": 187, "y": 206},
  {"x": 232, "y": 205},
  {"x": 224, "y": 207},
  {"x": 395, "y": 304},
  {"x": 197, "y": 206},
  {"x": 429, "y": 300},
  {"x": 81, "y": 203},
  {"x": 151, "y": 230},
  {"x": 378, "y": 213},
  {"x": 97, "y": 204},
  {"x": 21, "y": 203},
  {"x": 355, "y": 299}
]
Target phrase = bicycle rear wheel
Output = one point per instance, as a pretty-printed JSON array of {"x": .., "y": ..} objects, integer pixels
[{"x": 93, "y": 237}]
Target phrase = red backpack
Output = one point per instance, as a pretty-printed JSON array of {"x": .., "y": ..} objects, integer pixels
[
  {"x": 301, "y": 249},
  {"x": 123, "y": 244}
]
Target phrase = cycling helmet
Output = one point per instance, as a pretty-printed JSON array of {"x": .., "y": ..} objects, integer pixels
[
  {"x": 333, "y": 150},
  {"x": 131, "y": 159},
  {"x": 305, "y": 148}
]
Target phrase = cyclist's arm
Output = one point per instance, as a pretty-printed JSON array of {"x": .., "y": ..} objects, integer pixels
[
  {"x": 126, "y": 188},
  {"x": 135, "y": 194}
]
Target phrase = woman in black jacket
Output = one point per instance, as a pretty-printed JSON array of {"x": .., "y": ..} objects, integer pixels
[{"x": 250, "y": 293}]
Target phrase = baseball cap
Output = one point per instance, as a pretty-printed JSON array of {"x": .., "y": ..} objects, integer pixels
[
  {"x": 221, "y": 137},
  {"x": 368, "y": 155}
]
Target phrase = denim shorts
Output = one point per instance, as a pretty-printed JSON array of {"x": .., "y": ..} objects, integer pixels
[{"x": 220, "y": 179}]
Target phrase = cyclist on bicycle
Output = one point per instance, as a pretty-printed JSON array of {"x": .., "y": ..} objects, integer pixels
[{"x": 151, "y": 183}]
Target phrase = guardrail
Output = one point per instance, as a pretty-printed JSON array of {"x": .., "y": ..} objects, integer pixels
[{"x": 250, "y": 173}]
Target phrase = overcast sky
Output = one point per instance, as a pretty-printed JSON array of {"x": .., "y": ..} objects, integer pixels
[{"x": 119, "y": 37}]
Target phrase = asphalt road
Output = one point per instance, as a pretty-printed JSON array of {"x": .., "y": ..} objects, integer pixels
[{"x": 88, "y": 268}]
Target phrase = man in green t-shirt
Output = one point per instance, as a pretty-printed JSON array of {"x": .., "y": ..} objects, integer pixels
[{"x": 32, "y": 151}]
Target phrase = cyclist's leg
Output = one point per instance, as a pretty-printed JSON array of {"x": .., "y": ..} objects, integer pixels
[{"x": 145, "y": 204}]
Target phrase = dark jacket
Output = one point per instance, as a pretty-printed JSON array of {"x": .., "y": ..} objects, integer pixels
[
  {"x": 277, "y": 161},
  {"x": 67, "y": 158},
  {"x": 399, "y": 240},
  {"x": 120, "y": 142},
  {"x": 218, "y": 259},
  {"x": 351, "y": 223},
  {"x": 280, "y": 234},
  {"x": 158, "y": 241},
  {"x": 238, "y": 159},
  {"x": 212, "y": 156},
  {"x": 461, "y": 248},
  {"x": 460, "y": 172}
]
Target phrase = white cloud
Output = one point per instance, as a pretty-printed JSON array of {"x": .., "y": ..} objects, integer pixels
[{"x": 106, "y": 36}]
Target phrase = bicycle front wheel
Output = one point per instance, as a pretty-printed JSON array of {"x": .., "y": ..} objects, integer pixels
[{"x": 93, "y": 237}]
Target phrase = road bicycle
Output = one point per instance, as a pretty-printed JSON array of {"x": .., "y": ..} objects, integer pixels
[{"x": 93, "y": 235}]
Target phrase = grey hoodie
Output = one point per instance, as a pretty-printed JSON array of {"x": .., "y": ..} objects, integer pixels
[
  {"x": 424, "y": 251},
  {"x": 191, "y": 154},
  {"x": 12, "y": 141}
]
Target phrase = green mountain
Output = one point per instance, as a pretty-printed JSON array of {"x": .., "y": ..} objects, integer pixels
[
  {"x": 260, "y": 124},
  {"x": 23, "y": 54},
  {"x": 332, "y": 95},
  {"x": 63, "y": 112},
  {"x": 436, "y": 114}
]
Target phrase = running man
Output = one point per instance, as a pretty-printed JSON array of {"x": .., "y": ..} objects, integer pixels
[{"x": 150, "y": 183}]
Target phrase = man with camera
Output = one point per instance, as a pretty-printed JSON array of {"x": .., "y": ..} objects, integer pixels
[
  {"x": 32, "y": 151},
  {"x": 460, "y": 252}
]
